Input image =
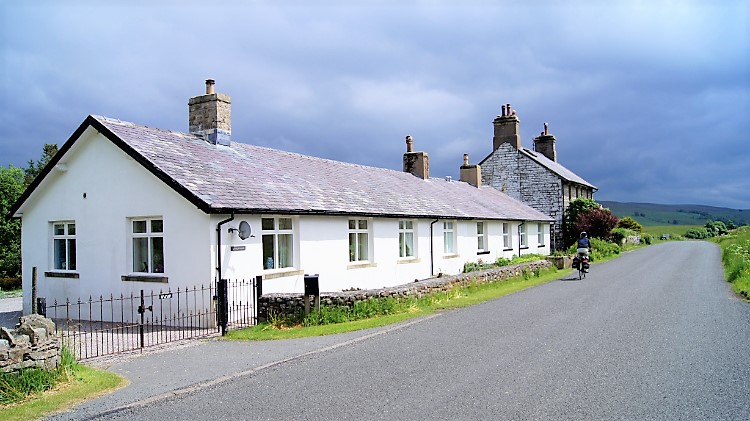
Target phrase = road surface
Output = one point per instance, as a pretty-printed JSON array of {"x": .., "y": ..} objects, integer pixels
[{"x": 654, "y": 334}]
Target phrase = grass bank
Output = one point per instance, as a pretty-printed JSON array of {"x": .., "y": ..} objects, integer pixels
[
  {"x": 735, "y": 254},
  {"x": 34, "y": 393},
  {"x": 388, "y": 311}
]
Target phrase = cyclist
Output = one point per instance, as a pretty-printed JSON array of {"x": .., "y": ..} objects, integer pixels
[{"x": 583, "y": 246}]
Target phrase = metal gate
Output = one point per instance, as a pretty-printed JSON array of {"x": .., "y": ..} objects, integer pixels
[{"x": 112, "y": 325}]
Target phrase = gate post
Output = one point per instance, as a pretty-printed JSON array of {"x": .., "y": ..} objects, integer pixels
[
  {"x": 223, "y": 292},
  {"x": 258, "y": 293},
  {"x": 142, "y": 310}
]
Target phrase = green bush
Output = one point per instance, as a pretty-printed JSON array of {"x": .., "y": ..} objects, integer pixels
[
  {"x": 619, "y": 235},
  {"x": 600, "y": 249},
  {"x": 647, "y": 238},
  {"x": 697, "y": 233},
  {"x": 735, "y": 254}
]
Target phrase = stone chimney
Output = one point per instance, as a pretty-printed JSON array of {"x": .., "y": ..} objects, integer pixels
[
  {"x": 416, "y": 163},
  {"x": 471, "y": 174},
  {"x": 506, "y": 129},
  {"x": 545, "y": 144},
  {"x": 210, "y": 116}
]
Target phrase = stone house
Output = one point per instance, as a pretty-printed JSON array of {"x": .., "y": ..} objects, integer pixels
[
  {"x": 123, "y": 207},
  {"x": 532, "y": 176}
]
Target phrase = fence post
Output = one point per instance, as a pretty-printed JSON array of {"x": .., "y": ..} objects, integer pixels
[
  {"x": 33, "y": 290},
  {"x": 258, "y": 293},
  {"x": 142, "y": 310},
  {"x": 223, "y": 305}
]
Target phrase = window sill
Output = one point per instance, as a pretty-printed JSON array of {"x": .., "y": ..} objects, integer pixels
[
  {"x": 144, "y": 278},
  {"x": 541, "y": 245},
  {"x": 524, "y": 247},
  {"x": 53, "y": 274},
  {"x": 508, "y": 249},
  {"x": 406, "y": 261},
  {"x": 361, "y": 265},
  {"x": 451, "y": 256},
  {"x": 481, "y": 252},
  {"x": 282, "y": 273}
]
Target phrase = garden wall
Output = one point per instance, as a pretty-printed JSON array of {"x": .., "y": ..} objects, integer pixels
[
  {"x": 32, "y": 344},
  {"x": 290, "y": 304}
]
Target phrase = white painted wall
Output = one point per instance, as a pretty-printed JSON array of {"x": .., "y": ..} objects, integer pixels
[
  {"x": 116, "y": 188},
  {"x": 322, "y": 247}
]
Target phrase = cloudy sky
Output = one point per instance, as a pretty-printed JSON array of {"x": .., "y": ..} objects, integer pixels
[{"x": 649, "y": 100}]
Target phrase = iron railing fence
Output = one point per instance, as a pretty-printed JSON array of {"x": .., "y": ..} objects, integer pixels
[{"x": 112, "y": 325}]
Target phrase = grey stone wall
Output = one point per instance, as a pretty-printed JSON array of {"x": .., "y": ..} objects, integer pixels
[
  {"x": 32, "y": 344},
  {"x": 290, "y": 304}
]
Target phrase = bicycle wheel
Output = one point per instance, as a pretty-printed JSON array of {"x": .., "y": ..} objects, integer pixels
[{"x": 581, "y": 273}]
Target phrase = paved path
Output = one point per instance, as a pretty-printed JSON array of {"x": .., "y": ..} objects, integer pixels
[
  {"x": 10, "y": 311},
  {"x": 655, "y": 334}
]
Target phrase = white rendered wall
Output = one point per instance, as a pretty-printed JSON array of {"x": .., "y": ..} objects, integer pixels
[
  {"x": 322, "y": 247},
  {"x": 116, "y": 188}
]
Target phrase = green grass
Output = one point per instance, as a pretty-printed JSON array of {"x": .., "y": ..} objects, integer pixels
[
  {"x": 34, "y": 393},
  {"x": 11, "y": 293},
  {"x": 735, "y": 254},
  {"x": 676, "y": 232},
  {"x": 456, "y": 298}
]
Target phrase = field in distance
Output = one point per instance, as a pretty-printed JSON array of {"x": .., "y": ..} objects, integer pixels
[{"x": 655, "y": 215}]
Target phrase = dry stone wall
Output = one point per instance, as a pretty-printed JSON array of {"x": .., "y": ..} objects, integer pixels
[
  {"x": 291, "y": 304},
  {"x": 33, "y": 343}
]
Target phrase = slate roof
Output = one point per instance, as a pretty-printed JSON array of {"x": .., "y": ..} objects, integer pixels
[
  {"x": 244, "y": 178},
  {"x": 556, "y": 168}
]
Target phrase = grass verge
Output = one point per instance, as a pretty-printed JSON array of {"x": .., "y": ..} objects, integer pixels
[
  {"x": 24, "y": 396},
  {"x": 457, "y": 298},
  {"x": 735, "y": 255},
  {"x": 10, "y": 293}
]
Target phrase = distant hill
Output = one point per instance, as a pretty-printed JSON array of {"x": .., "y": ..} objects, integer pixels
[{"x": 649, "y": 214}]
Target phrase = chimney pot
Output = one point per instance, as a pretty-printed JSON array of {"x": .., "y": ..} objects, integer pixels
[
  {"x": 546, "y": 129},
  {"x": 409, "y": 144},
  {"x": 503, "y": 110},
  {"x": 210, "y": 86},
  {"x": 466, "y": 159}
]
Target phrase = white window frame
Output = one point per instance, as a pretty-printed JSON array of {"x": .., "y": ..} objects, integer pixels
[
  {"x": 449, "y": 237},
  {"x": 274, "y": 234},
  {"x": 152, "y": 264},
  {"x": 523, "y": 242},
  {"x": 359, "y": 227},
  {"x": 482, "y": 245},
  {"x": 507, "y": 238},
  {"x": 68, "y": 238},
  {"x": 407, "y": 230},
  {"x": 540, "y": 234}
]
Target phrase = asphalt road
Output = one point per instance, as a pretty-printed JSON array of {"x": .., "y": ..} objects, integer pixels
[{"x": 655, "y": 334}]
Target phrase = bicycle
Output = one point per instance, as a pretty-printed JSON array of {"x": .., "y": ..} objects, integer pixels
[{"x": 581, "y": 262}]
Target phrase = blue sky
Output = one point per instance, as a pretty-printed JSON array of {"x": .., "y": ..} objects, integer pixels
[{"x": 648, "y": 100}]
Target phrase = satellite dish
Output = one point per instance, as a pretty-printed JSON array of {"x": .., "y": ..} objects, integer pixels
[{"x": 244, "y": 230}]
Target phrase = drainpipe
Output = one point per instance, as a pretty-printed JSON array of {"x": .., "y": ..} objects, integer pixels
[
  {"x": 519, "y": 237},
  {"x": 432, "y": 257},
  {"x": 218, "y": 243}
]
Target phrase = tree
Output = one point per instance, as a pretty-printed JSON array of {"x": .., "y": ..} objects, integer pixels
[
  {"x": 598, "y": 223},
  {"x": 630, "y": 223},
  {"x": 11, "y": 187},
  {"x": 578, "y": 206},
  {"x": 33, "y": 170},
  {"x": 716, "y": 228}
]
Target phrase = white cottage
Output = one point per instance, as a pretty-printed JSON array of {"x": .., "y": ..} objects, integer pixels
[{"x": 123, "y": 207}]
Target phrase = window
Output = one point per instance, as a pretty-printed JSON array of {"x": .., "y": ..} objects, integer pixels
[
  {"x": 148, "y": 245},
  {"x": 64, "y": 246},
  {"x": 406, "y": 238},
  {"x": 506, "y": 236},
  {"x": 278, "y": 242},
  {"x": 540, "y": 234},
  {"x": 449, "y": 237},
  {"x": 481, "y": 237},
  {"x": 359, "y": 242},
  {"x": 522, "y": 234}
]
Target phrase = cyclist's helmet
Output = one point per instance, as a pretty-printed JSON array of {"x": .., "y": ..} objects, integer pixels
[{"x": 583, "y": 234}]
